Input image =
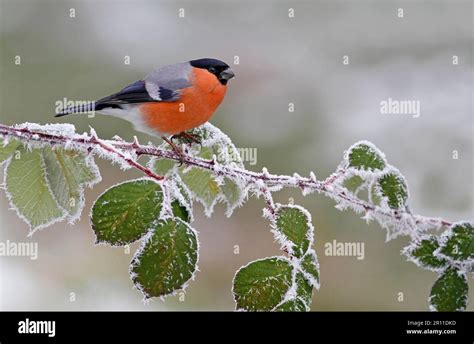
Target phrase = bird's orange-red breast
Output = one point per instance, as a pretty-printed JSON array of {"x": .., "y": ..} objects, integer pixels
[
  {"x": 195, "y": 106},
  {"x": 170, "y": 100}
]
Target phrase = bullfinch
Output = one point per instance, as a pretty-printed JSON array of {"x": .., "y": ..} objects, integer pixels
[{"x": 168, "y": 101}]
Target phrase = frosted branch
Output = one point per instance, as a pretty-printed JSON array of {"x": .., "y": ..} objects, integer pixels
[{"x": 127, "y": 153}]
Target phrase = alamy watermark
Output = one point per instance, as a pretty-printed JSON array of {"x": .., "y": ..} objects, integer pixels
[
  {"x": 79, "y": 106},
  {"x": 19, "y": 249},
  {"x": 28, "y": 326},
  {"x": 400, "y": 107},
  {"x": 345, "y": 249},
  {"x": 247, "y": 154}
]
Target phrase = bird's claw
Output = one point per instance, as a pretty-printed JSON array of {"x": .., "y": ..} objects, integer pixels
[
  {"x": 187, "y": 138},
  {"x": 177, "y": 150}
]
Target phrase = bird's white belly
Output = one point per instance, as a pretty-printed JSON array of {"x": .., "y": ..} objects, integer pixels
[{"x": 131, "y": 114}]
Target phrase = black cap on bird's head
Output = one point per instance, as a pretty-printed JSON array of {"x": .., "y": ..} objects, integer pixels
[{"x": 220, "y": 69}]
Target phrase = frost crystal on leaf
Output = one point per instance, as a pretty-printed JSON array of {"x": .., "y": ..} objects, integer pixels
[
  {"x": 262, "y": 284},
  {"x": 393, "y": 188},
  {"x": 46, "y": 185},
  {"x": 127, "y": 211},
  {"x": 309, "y": 266},
  {"x": 363, "y": 155},
  {"x": 167, "y": 259},
  {"x": 208, "y": 187},
  {"x": 449, "y": 293},
  {"x": 457, "y": 245},
  {"x": 293, "y": 229},
  {"x": 422, "y": 253}
]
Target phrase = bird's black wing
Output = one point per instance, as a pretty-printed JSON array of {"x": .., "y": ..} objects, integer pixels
[{"x": 133, "y": 93}]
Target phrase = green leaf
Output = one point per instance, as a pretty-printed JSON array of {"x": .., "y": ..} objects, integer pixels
[
  {"x": 310, "y": 265},
  {"x": 66, "y": 172},
  {"x": 228, "y": 154},
  {"x": 183, "y": 191},
  {"x": 303, "y": 298},
  {"x": 206, "y": 152},
  {"x": 180, "y": 211},
  {"x": 167, "y": 260},
  {"x": 232, "y": 194},
  {"x": 423, "y": 253},
  {"x": 234, "y": 155},
  {"x": 449, "y": 293},
  {"x": 125, "y": 212},
  {"x": 162, "y": 166},
  {"x": 393, "y": 187},
  {"x": 304, "y": 290},
  {"x": 353, "y": 183},
  {"x": 215, "y": 142},
  {"x": 458, "y": 244},
  {"x": 207, "y": 132},
  {"x": 364, "y": 156},
  {"x": 7, "y": 150},
  {"x": 202, "y": 184},
  {"x": 294, "y": 224},
  {"x": 261, "y": 285},
  {"x": 294, "y": 305},
  {"x": 28, "y": 189},
  {"x": 375, "y": 196}
]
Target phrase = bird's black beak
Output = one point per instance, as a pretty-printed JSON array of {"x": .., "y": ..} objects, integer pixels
[{"x": 227, "y": 74}]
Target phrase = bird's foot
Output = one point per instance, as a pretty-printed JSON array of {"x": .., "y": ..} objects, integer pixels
[
  {"x": 187, "y": 138},
  {"x": 177, "y": 150}
]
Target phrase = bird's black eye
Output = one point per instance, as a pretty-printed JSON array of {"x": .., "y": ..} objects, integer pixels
[{"x": 212, "y": 70}]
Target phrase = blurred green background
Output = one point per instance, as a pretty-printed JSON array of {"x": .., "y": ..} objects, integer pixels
[{"x": 282, "y": 60}]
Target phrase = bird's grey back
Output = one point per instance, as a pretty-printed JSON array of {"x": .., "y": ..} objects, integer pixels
[{"x": 172, "y": 77}]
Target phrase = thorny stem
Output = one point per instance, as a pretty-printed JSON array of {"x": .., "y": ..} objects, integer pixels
[
  {"x": 25, "y": 134},
  {"x": 267, "y": 196},
  {"x": 328, "y": 187},
  {"x": 128, "y": 160}
]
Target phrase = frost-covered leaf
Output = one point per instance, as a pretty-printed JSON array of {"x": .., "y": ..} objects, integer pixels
[
  {"x": 232, "y": 194},
  {"x": 375, "y": 196},
  {"x": 304, "y": 290},
  {"x": 167, "y": 259},
  {"x": 310, "y": 266},
  {"x": 293, "y": 305},
  {"x": 46, "y": 185},
  {"x": 220, "y": 144},
  {"x": 28, "y": 190},
  {"x": 299, "y": 297},
  {"x": 180, "y": 211},
  {"x": 205, "y": 152},
  {"x": 233, "y": 156},
  {"x": 125, "y": 212},
  {"x": 458, "y": 242},
  {"x": 7, "y": 150},
  {"x": 393, "y": 188},
  {"x": 365, "y": 156},
  {"x": 203, "y": 186},
  {"x": 179, "y": 195},
  {"x": 353, "y": 183},
  {"x": 161, "y": 166},
  {"x": 423, "y": 253},
  {"x": 449, "y": 293},
  {"x": 67, "y": 172},
  {"x": 181, "y": 191},
  {"x": 262, "y": 285},
  {"x": 294, "y": 229}
]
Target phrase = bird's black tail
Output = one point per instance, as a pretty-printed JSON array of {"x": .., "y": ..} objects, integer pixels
[{"x": 83, "y": 108}]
